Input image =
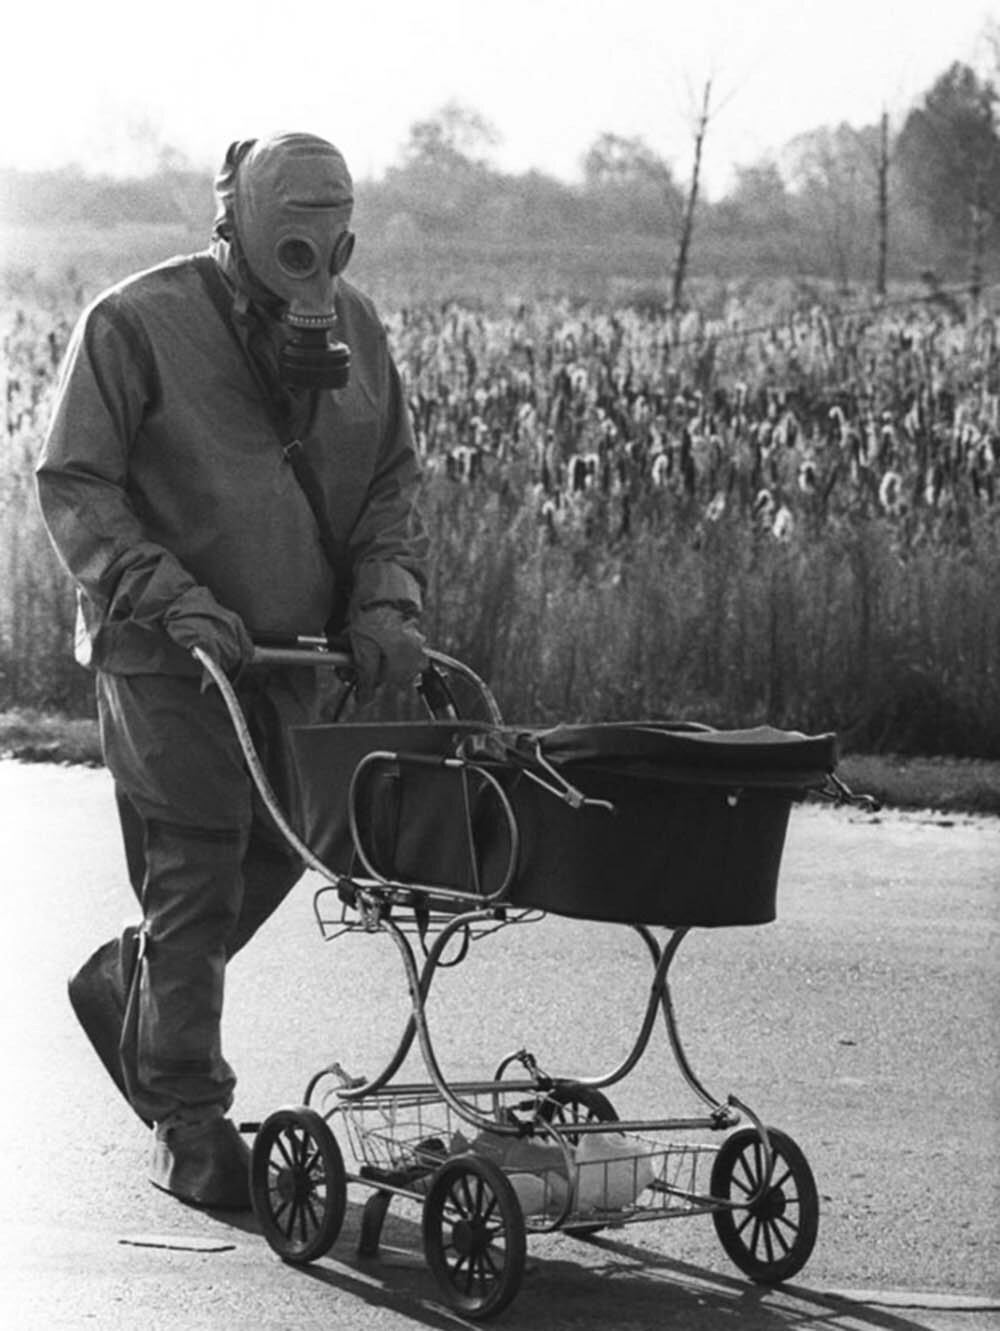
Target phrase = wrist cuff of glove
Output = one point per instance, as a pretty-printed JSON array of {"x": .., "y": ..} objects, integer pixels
[
  {"x": 380, "y": 582},
  {"x": 406, "y": 609}
]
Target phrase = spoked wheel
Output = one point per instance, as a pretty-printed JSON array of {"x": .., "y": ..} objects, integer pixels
[
  {"x": 772, "y": 1238},
  {"x": 298, "y": 1184},
  {"x": 474, "y": 1236},
  {"x": 568, "y": 1103}
]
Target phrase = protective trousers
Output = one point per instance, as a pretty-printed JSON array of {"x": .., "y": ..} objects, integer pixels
[{"x": 205, "y": 862}]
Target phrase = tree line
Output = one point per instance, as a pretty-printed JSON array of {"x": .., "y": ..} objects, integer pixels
[{"x": 855, "y": 207}]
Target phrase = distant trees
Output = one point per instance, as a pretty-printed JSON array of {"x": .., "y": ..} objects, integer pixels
[
  {"x": 927, "y": 196},
  {"x": 833, "y": 176},
  {"x": 842, "y": 203},
  {"x": 534, "y": 208},
  {"x": 948, "y": 163},
  {"x": 616, "y": 163},
  {"x": 451, "y": 140},
  {"x": 66, "y": 197},
  {"x": 758, "y": 200},
  {"x": 444, "y": 178},
  {"x": 828, "y": 212},
  {"x": 630, "y": 185},
  {"x": 755, "y": 218}
]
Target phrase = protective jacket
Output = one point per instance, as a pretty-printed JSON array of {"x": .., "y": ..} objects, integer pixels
[{"x": 164, "y": 484}]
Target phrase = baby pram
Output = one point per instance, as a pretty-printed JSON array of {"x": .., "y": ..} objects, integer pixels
[{"x": 439, "y": 832}]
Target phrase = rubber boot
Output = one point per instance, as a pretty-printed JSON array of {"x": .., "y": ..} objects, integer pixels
[
  {"x": 97, "y": 995},
  {"x": 203, "y": 1163}
]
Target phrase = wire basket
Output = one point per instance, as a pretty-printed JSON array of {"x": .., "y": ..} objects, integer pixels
[{"x": 567, "y": 1180}]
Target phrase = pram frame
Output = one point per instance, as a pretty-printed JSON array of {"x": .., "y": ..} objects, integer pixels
[{"x": 375, "y": 897}]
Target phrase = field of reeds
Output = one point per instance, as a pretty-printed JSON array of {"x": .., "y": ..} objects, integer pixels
[{"x": 772, "y": 508}]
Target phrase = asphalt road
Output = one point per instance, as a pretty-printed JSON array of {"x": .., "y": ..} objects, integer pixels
[{"x": 863, "y": 1022}]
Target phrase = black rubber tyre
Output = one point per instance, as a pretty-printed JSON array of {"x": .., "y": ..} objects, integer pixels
[
  {"x": 474, "y": 1237},
  {"x": 772, "y": 1239},
  {"x": 298, "y": 1184},
  {"x": 568, "y": 1103}
]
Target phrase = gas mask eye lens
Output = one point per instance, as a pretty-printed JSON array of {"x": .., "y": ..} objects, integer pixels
[{"x": 298, "y": 257}]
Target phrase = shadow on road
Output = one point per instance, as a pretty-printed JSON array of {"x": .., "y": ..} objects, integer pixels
[{"x": 577, "y": 1284}]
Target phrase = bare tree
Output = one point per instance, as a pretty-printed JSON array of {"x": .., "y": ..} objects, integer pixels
[
  {"x": 882, "y": 169},
  {"x": 979, "y": 224},
  {"x": 687, "y": 221}
]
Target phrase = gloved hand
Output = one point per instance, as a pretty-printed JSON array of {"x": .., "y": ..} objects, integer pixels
[
  {"x": 197, "y": 620},
  {"x": 387, "y": 646}
]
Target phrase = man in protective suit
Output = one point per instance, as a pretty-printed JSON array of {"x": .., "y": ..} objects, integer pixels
[{"x": 229, "y": 457}]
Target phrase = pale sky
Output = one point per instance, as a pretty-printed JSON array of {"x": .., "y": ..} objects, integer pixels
[{"x": 80, "y": 76}]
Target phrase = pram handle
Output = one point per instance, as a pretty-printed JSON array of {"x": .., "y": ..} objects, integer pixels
[
  {"x": 304, "y": 650},
  {"x": 300, "y": 650}
]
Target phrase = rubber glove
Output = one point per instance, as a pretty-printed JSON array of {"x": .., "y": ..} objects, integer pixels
[
  {"x": 197, "y": 620},
  {"x": 387, "y": 646}
]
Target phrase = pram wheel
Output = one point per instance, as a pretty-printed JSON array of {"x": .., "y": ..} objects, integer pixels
[
  {"x": 568, "y": 1103},
  {"x": 474, "y": 1236},
  {"x": 298, "y": 1184},
  {"x": 771, "y": 1239}
]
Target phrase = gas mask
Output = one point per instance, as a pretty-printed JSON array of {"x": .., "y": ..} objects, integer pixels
[{"x": 287, "y": 208}]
